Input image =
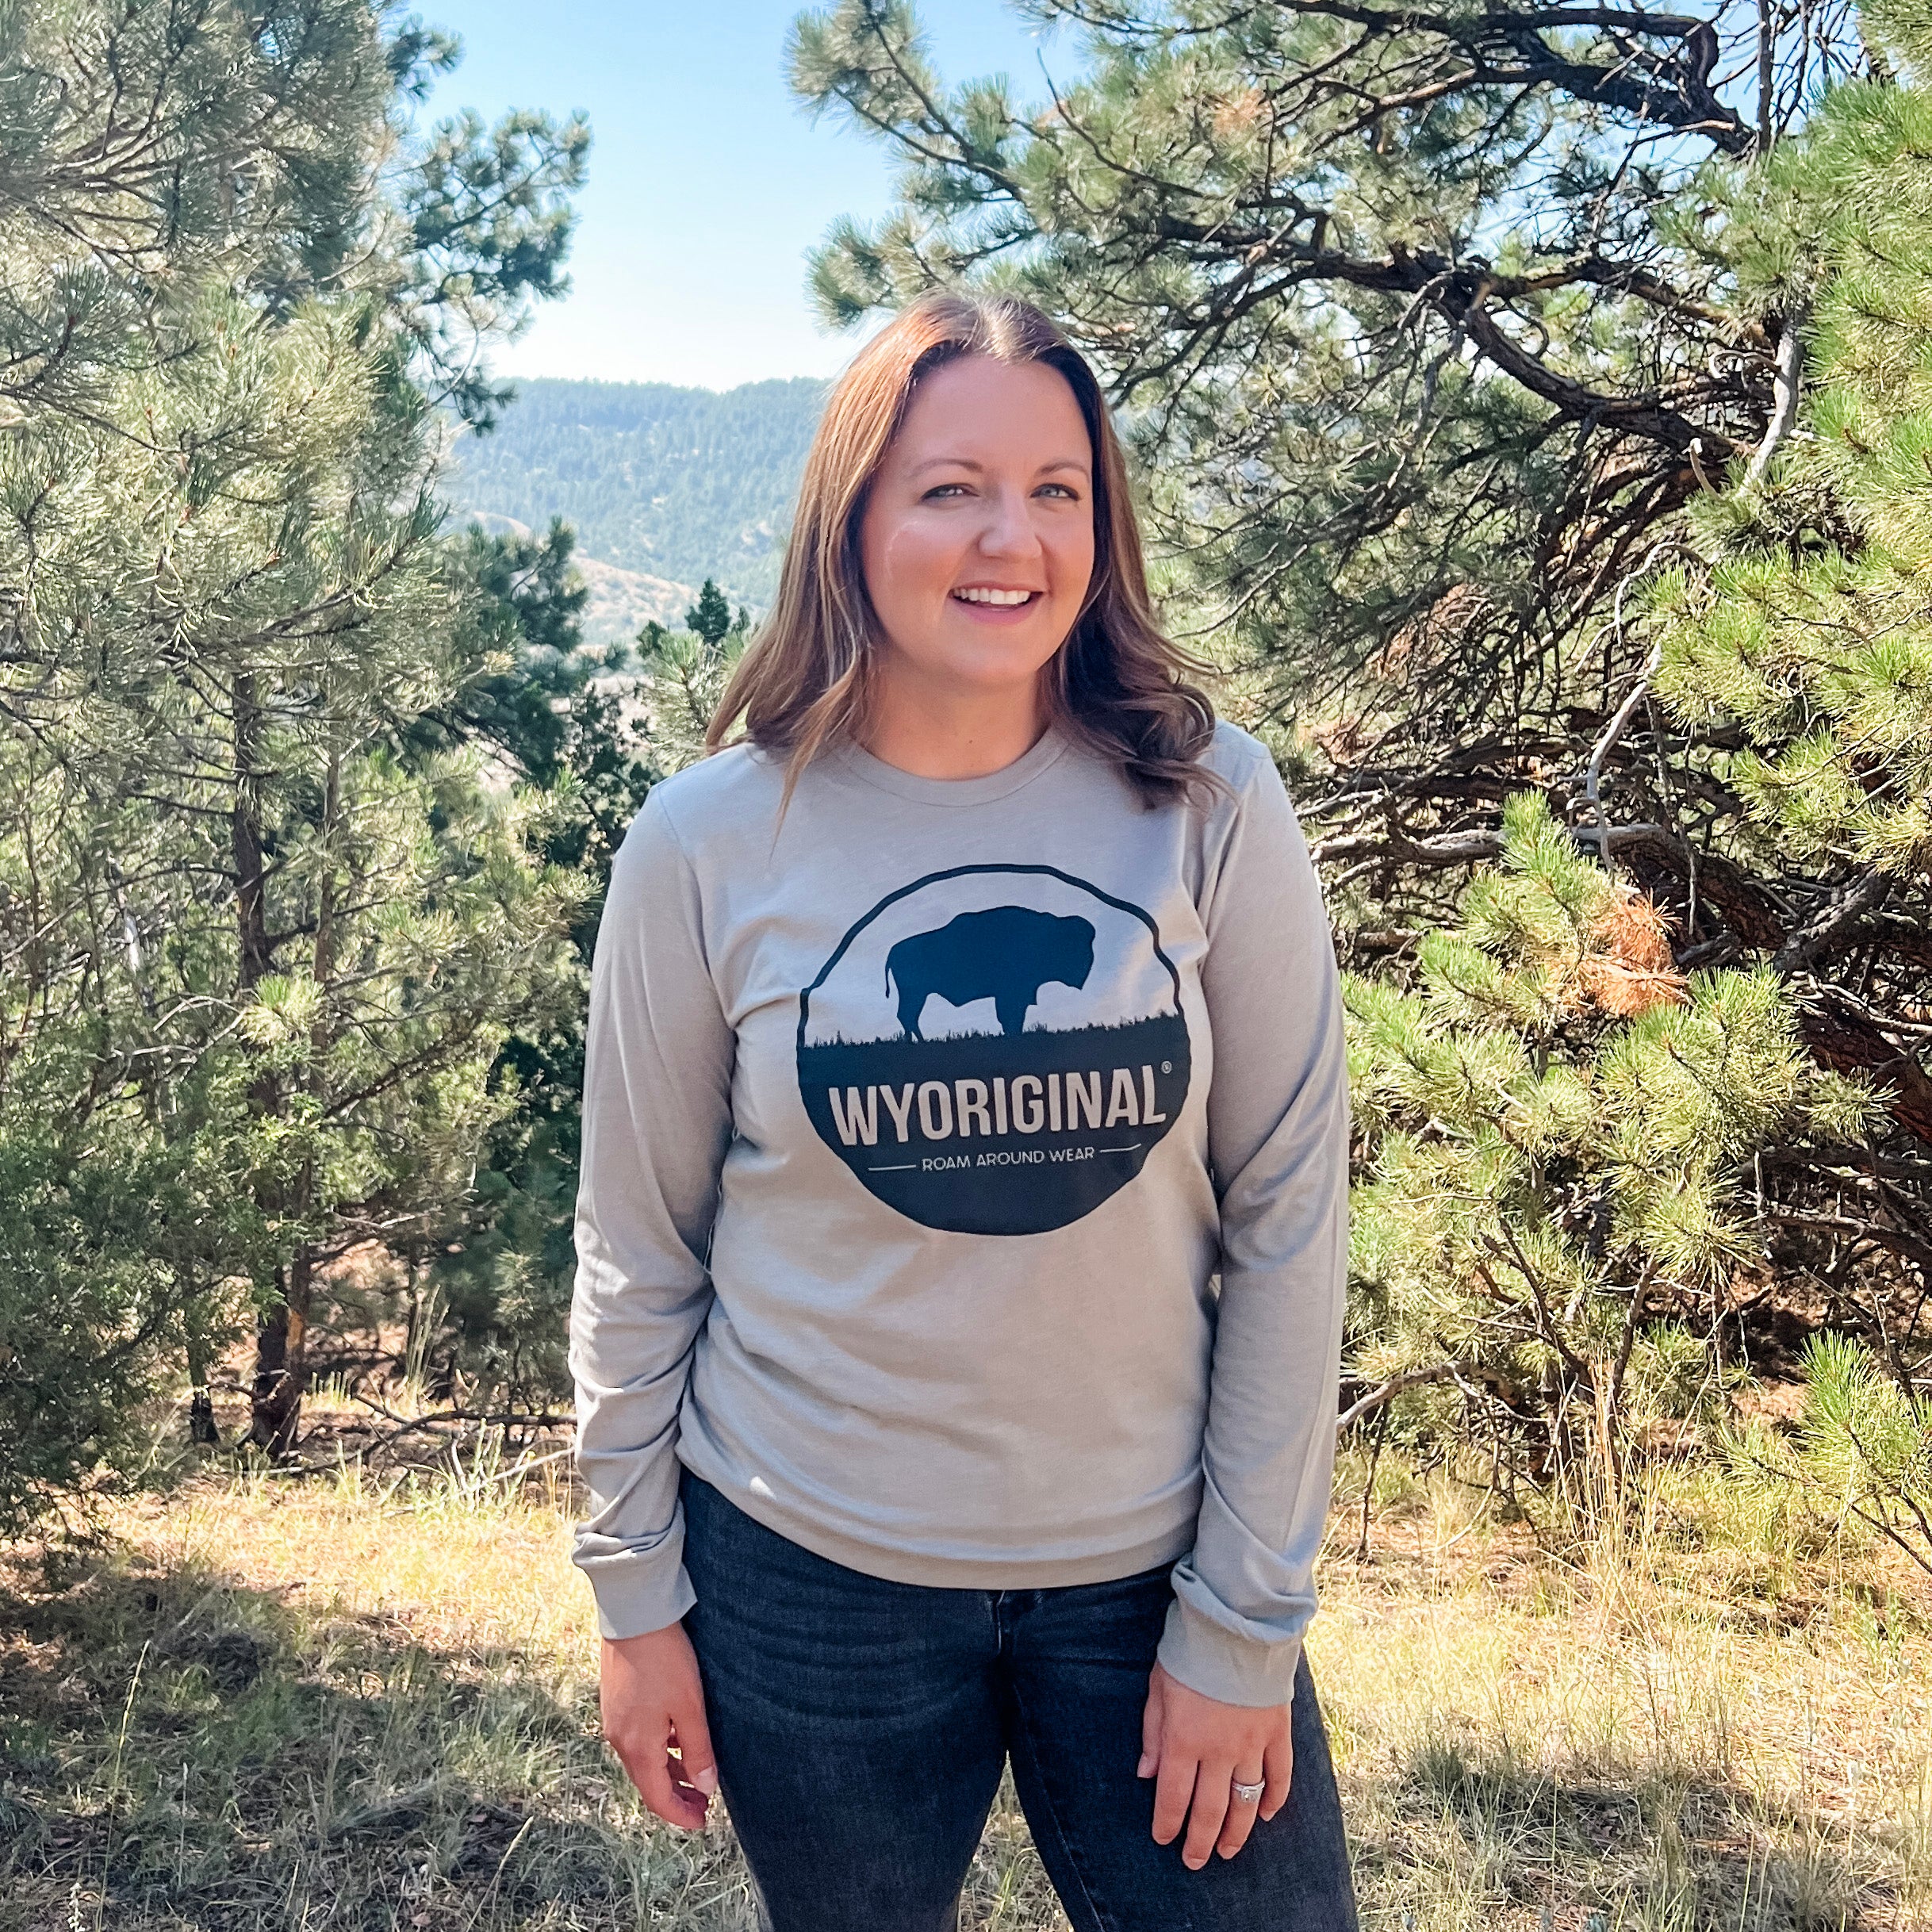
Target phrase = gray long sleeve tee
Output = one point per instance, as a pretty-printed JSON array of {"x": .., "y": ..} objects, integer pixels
[{"x": 963, "y": 1188}]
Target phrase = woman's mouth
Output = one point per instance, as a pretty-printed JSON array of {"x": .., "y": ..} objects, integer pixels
[{"x": 986, "y": 597}]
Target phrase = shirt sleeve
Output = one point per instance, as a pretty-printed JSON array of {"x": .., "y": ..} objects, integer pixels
[
  {"x": 658, "y": 1059},
  {"x": 1277, "y": 1135}
]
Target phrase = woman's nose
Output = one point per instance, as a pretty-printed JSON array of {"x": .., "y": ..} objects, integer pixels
[{"x": 1010, "y": 530}]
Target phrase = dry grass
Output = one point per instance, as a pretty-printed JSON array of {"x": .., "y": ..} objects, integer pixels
[
  {"x": 326, "y": 1705},
  {"x": 1707, "y": 1728}
]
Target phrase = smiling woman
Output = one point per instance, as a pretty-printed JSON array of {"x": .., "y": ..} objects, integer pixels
[
  {"x": 967, "y": 497},
  {"x": 949, "y": 1034},
  {"x": 977, "y": 543}
]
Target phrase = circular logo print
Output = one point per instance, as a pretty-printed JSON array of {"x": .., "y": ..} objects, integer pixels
[{"x": 994, "y": 1049}]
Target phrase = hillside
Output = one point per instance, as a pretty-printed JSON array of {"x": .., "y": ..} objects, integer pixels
[
  {"x": 665, "y": 486},
  {"x": 621, "y": 602}
]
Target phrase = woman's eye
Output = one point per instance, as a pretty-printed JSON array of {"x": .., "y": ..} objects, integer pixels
[
  {"x": 946, "y": 489},
  {"x": 1059, "y": 489}
]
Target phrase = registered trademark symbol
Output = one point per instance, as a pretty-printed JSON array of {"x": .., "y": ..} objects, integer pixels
[{"x": 1167, "y": 1066}]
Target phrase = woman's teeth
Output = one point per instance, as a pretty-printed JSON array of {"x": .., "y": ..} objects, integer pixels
[{"x": 994, "y": 597}]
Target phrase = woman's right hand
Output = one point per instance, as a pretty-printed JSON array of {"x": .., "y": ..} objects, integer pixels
[{"x": 654, "y": 1718}]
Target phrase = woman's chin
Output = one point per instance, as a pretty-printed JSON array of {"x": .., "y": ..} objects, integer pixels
[
  {"x": 1013, "y": 657},
  {"x": 978, "y": 669}
]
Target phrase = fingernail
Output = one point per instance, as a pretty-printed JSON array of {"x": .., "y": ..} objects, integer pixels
[
  {"x": 1147, "y": 1766},
  {"x": 706, "y": 1781}
]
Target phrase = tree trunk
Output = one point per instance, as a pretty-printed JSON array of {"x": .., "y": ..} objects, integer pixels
[
  {"x": 1609, "y": 1456},
  {"x": 275, "y": 1401},
  {"x": 256, "y": 961},
  {"x": 201, "y": 1404},
  {"x": 201, "y": 1427},
  {"x": 282, "y": 1361}
]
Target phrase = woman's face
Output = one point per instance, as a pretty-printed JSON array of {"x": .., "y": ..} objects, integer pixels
[{"x": 977, "y": 539}]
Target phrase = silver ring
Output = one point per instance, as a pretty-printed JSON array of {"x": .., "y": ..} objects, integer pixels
[{"x": 1248, "y": 1794}]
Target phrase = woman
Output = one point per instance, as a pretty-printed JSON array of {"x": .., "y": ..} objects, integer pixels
[{"x": 961, "y": 1227}]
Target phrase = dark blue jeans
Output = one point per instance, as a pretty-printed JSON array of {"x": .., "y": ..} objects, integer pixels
[{"x": 861, "y": 1726}]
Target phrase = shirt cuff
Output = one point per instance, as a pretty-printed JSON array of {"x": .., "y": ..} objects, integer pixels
[
  {"x": 1196, "y": 1651},
  {"x": 636, "y": 1595}
]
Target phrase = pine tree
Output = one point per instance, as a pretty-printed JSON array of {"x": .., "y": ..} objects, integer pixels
[
  {"x": 1413, "y": 313},
  {"x": 259, "y": 943},
  {"x": 1797, "y": 629},
  {"x": 710, "y": 617},
  {"x": 1443, "y": 359},
  {"x": 1861, "y": 1451},
  {"x": 561, "y": 718},
  {"x": 681, "y": 680},
  {"x": 1790, "y": 637},
  {"x": 1559, "y": 1131}
]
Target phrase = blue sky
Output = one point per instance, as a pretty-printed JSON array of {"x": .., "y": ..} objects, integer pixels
[{"x": 707, "y": 181}]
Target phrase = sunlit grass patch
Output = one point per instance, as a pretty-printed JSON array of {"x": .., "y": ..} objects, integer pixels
[
  {"x": 354, "y": 1701},
  {"x": 1650, "y": 1733}
]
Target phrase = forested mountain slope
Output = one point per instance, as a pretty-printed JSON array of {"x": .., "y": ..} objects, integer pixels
[{"x": 674, "y": 484}]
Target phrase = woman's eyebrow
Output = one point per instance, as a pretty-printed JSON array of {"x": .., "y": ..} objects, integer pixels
[{"x": 968, "y": 462}]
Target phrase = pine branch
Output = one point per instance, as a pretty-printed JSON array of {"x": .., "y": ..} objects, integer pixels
[
  {"x": 1408, "y": 1378},
  {"x": 1785, "y": 417},
  {"x": 1848, "y": 1043}
]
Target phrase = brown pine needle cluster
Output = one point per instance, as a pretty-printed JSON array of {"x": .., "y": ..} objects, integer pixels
[{"x": 1629, "y": 968}]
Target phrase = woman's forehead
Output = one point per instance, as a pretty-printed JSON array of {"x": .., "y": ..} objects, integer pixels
[{"x": 976, "y": 410}]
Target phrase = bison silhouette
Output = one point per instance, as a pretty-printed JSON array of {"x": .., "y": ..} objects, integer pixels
[{"x": 1005, "y": 954}]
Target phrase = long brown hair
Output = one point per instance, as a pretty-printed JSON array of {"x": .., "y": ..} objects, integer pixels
[{"x": 1117, "y": 685}]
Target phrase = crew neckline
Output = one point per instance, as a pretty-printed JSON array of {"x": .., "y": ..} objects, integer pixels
[{"x": 859, "y": 763}]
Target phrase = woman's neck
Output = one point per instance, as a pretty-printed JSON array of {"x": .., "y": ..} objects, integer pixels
[{"x": 952, "y": 734}]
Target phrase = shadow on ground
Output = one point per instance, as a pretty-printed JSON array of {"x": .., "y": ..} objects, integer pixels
[{"x": 176, "y": 1751}]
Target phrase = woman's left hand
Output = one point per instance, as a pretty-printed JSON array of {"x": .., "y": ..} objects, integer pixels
[{"x": 1197, "y": 1748}]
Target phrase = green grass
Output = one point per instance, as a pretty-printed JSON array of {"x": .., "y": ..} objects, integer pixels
[{"x": 337, "y": 1704}]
